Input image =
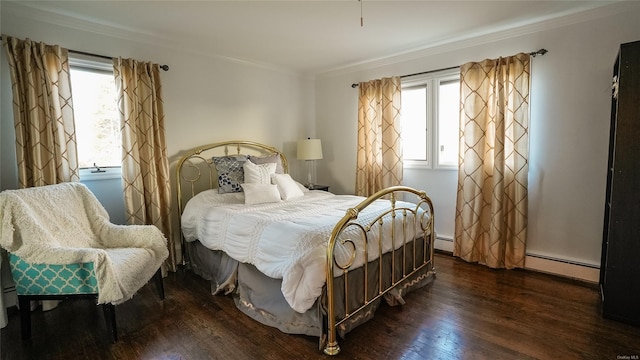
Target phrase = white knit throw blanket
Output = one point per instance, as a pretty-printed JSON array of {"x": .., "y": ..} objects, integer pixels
[{"x": 65, "y": 224}]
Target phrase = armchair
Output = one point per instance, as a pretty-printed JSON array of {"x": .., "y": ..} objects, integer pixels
[{"x": 62, "y": 245}]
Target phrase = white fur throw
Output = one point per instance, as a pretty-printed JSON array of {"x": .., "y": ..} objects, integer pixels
[{"x": 65, "y": 224}]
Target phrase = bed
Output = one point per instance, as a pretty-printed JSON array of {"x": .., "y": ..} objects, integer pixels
[{"x": 259, "y": 236}]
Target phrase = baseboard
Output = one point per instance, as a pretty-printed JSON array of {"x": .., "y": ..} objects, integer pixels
[
  {"x": 541, "y": 263},
  {"x": 562, "y": 267},
  {"x": 444, "y": 244}
]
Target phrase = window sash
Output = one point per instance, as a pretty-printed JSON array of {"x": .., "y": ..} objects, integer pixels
[
  {"x": 452, "y": 124},
  {"x": 431, "y": 81},
  {"x": 99, "y": 67}
]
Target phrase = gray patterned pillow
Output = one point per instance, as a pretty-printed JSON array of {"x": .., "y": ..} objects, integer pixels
[{"x": 230, "y": 172}]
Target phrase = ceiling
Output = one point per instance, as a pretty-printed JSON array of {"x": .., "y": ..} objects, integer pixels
[{"x": 308, "y": 37}]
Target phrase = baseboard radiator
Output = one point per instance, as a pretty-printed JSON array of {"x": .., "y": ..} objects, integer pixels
[{"x": 542, "y": 263}]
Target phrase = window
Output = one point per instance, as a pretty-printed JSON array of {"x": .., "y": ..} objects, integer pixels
[
  {"x": 96, "y": 116},
  {"x": 431, "y": 119}
]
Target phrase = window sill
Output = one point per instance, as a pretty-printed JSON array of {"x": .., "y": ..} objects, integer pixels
[
  {"x": 108, "y": 174},
  {"x": 413, "y": 164},
  {"x": 416, "y": 164}
]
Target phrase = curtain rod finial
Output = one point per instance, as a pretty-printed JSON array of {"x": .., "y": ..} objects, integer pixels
[
  {"x": 164, "y": 67},
  {"x": 539, "y": 52}
]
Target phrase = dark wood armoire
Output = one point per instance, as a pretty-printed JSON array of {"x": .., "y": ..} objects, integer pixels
[{"x": 620, "y": 264}]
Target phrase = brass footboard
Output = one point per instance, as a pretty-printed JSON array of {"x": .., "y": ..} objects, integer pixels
[{"x": 420, "y": 217}]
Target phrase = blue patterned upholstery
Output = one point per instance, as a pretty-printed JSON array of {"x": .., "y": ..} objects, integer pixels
[{"x": 48, "y": 279}]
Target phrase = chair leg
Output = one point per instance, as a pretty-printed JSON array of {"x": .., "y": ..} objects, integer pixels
[
  {"x": 25, "y": 316},
  {"x": 159, "y": 285},
  {"x": 109, "y": 311}
]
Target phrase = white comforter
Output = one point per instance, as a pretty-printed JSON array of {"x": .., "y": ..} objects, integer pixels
[{"x": 285, "y": 240}]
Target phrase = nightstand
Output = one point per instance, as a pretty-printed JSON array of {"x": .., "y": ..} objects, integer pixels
[{"x": 318, "y": 187}]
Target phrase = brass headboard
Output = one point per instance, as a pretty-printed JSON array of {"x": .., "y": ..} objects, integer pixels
[{"x": 197, "y": 171}]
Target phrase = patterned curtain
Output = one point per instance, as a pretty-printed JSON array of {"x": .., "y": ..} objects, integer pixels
[
  {"x": 491, "y": 208},
  {"x": 379, "y": 158},
  {"x": 46, "y": 150},
  {"x": 145, "y": 165}
]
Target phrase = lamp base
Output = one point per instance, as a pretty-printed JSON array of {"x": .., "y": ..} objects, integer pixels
[{"x": 310, "y": 166}]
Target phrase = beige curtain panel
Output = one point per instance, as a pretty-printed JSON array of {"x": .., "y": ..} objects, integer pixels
[
  {"x": 145, "y": 165},
  {"x": 491, "y": 208},
  {"x": 46, "y": 149},
  {"x": 379, "y": 157}
]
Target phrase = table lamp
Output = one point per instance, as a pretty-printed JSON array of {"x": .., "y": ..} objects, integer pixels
[{"x": 309, "y": 150}]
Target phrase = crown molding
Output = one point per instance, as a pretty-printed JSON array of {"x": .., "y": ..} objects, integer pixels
[
  {"x": 51, "y": 16},
  {"x": 46, "y": 15},
  {"x": 589, "y": 12}
]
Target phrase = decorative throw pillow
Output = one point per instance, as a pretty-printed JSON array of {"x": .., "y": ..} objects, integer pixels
[
  {"x": 303, "y": 188},
  {"x": 273, "y": 158},
  {"x": 260, "y": 193},
  {"x": 230, "y": 172},
  {"x": 258, "y": 174},
  {"x": 287, "y": 187}
]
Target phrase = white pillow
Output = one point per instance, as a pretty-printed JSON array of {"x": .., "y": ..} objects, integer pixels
[
  {"x": 258, "y": 174},
  {"x": 302, "y": 187},
  {"x": 273, "y": 158},
  {"x": 287, "y": 187},
  {"x": 260, "y": 193}
]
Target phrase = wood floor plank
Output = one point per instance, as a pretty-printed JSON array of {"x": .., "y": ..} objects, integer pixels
[{"x": 469, "y": 312}]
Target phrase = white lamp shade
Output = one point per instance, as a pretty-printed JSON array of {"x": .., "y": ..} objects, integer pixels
[{"x": 309, "y": 149}]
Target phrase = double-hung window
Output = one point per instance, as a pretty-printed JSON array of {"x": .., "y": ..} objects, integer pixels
[
  {"x": 96, "y": 118},
  {"x": 431, "y": 119}
]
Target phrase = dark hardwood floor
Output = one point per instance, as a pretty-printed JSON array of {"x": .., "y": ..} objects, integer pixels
[{"x": 469, "y": 312}]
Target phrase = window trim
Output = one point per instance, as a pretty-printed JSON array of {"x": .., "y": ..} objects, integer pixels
[
  {"x": 102, "y": 66},
  {"x": 90, "y": 63},
  {"x": 111, "y": 172},
  {"x": 429, "y": 129},
  {"x": 436, "y": 133},
  {"x": 431, "y": 81}
]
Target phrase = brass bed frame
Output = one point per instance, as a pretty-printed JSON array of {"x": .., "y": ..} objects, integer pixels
[{"x": 196, "y": 171}]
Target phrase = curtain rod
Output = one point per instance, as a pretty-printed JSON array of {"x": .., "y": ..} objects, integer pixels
[
  {"x": 533, "y": 54},
  {"x": 163, "y": 67}
]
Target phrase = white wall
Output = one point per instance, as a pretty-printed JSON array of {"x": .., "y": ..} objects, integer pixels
[{"x": 570, "y": 107}]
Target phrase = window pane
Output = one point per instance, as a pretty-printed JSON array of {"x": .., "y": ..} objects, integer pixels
[
  {"x": 448, "y": 123},
  {"x": 96, "y": 118},
  {"x": 414, "y": 123}
]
